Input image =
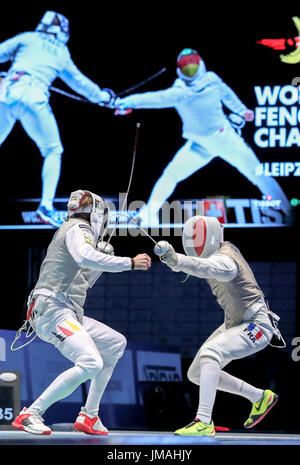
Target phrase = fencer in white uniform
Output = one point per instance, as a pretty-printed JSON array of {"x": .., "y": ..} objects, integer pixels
[
  {"x": 75, "y": 259},
  {"x": 198, "y": 96},
  {"x": 38, "y": 58},
  {"x": 249, "y": 325}
]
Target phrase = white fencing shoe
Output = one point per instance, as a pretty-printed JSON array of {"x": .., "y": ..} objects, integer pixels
[
  {"x": 31, "y": 423},
  {"x": 87, "y": 424}
]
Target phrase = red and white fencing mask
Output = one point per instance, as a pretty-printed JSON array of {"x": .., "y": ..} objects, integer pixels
[{"x": 202, "y": 236}]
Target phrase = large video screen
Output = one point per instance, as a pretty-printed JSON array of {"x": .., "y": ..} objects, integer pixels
[{"x": 212, "y": 129}]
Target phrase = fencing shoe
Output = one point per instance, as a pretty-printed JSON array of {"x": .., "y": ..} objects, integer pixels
[
  {"x": 261, "y": 408},
  {"x": 46, "y": 216},
  {"x": 31, "y": 423},
  {"x": 197, "y": 428},
  {"x": 87, "y": 424}
]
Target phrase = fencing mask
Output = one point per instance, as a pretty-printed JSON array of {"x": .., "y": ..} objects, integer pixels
[
  {"x": 99, "y": 211},
  {"x": 190, "y": 65},
  {"x": 55, "y": 23},
  {"x": 202, "y": 236}
]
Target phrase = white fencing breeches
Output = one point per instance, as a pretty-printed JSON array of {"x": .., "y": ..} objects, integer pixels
[
  {"x": 225, "y": 345},
  {"x": 28, "y": 103},
  {"x": 229, "y": 146},
  {"x": 93, "y": 347}
]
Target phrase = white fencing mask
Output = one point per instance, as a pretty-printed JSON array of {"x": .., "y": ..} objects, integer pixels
[
  {"x": 55, "y": 23},
  {"x": 202, "y": 236},
  {"x": 99, "y": 211}
]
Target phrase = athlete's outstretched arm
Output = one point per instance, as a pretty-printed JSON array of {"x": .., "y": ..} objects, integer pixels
[
  {"x": 217, "y": 266},
  {"x": 80, "y": 242},
  {"x": 166, "y": 98},
  {"x": 81, "y": 84}
]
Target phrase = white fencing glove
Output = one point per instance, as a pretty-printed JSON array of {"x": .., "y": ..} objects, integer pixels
[
  {"x": 105, "y": 247},
  {"x": 111, "y": 102},
  {"x": 166, "y": 253},
  {"x": 104, "y": 98}
]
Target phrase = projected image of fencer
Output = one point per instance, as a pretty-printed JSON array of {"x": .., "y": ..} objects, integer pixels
[
  {"x": 249, "y": 325},
  {"x": 38, "y": 58},
  {"x": 198, "y": 96},
  {"x": 76, "y": 257}
]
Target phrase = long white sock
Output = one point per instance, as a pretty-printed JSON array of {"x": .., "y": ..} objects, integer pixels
[
  {"x": 97, "y": 388},
  {"x": 209, "y": 378},
  {"x": 60, "y": 388},
  {"x": 50, "y": 177},
  {"x": 229, "y": 383}
]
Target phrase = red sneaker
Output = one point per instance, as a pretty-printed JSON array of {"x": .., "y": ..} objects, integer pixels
[
  {"x": 87, "y": 424},
  {"x": 31, "y": 423}
]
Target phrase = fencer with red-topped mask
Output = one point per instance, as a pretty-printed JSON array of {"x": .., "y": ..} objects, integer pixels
[
  {"x": 249, "y": 326},
  {"x": 75, "y": 259},
  {"x": 199, "y": 97}
]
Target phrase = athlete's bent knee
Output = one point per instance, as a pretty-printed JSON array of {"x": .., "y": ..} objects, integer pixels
[
  {"x": 120, "y": 345},
  {"x": 54, "y": 150},
  {"x": 91, "y": 364},
  {"x": 211, "y": 354},
  {"x": 117, "y": 348},
  {"x": 191, "y": 375}
]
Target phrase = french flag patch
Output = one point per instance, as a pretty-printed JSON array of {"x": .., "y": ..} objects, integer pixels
[{"x": 254, "y": 332}]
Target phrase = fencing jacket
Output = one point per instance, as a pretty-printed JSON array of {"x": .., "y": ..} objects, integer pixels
[
  {"x": 199, "y": 104},
  {"x": 71, "y": 263},
  {"x": 229, "y": 277},
  {"x": 45, "y": 58}
]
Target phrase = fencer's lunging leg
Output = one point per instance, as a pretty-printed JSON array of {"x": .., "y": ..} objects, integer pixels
[
  {"x": 209, "y": 379},
  {"x": 189, "y": 159},
  {"x": 111, "y": 345},
  {"x": 97, "y": 388},
  {"x": 216, "y": 349},
  {"x": 233, "y": 385},
  {"x": 241, "y": 156},
  {"x": 41, "y": 126},
  {"x": 50, "y": 175},
  {"x": 88, "y": 363}
]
